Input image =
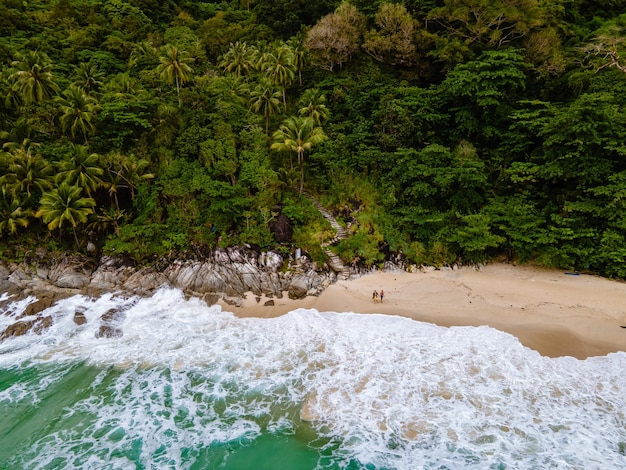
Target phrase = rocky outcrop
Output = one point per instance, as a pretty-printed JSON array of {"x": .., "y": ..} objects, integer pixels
[
  {"x": 19, "y": 328},
  {"x": 226, "y": 273},
  {"x": 110, "y": 324}
]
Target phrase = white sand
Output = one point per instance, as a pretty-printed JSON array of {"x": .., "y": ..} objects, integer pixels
[{"x": 555, "y": 313}]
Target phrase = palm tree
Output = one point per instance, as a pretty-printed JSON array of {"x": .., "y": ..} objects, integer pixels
[
  {"x": 124, "y": 172},
  {"x": 79, "y": 110},
  {"x": 106, "y": 222},
  {"x": 65, "y": 205},
  {"x": 33, "y": 77},
  {"x": 239, "y": 60},
  {"x": 124, "y": 86},
  {"x": 26, "y": 172},
  {"x": 312, "y": 104},
  {"x": 12, "y": 215},
  {"x": 142, "y": 55},
  {"x": 299, "y": 55},
  {"x": 88, "y": 77},
  {"x": 278, "y": 68},
  {"x": 298, "y": 134},
  {"x": 18, "y": 136},
  {"x": 13, "y": 98},
  {"x": 167, "y": 120},
  {"x": 82, "y": 169},
  {"x": 265, "y": 100},
  {"x": 174, "y": 67}
]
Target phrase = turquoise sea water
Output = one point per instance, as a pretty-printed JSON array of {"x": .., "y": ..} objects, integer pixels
[{"x": 189, "y": 386}]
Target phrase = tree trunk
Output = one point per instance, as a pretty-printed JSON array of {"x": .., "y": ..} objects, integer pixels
[{"x": 301, "y": 164}]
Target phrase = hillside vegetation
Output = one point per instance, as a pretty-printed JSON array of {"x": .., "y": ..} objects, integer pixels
[{"x": 441, "y": 131}]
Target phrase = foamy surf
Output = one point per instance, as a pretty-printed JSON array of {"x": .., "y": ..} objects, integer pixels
[{"x": 189, "y": 385}]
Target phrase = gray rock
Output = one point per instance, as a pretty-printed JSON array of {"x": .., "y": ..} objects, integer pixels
[
  {"x": 4, "y": 272},
  {"x": 18, "y": 276},
  {"x": 271, "y": 261},
  {"x": 234, "y": 301},
  {"x": 221, "y": 256},
  {"x": 145, "y": 281},
  {"x": 298, "y": 287},
  {"x": 72, "y": 280}
]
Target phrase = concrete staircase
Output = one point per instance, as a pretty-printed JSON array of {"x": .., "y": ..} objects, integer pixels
[{"x": 340, "y": 234}]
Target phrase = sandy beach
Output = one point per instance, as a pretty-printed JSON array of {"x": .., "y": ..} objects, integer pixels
[{"x": 556, "y": 313}]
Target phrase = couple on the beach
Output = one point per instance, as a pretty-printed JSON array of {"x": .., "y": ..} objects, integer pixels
[{"x": 376, "y": 296}]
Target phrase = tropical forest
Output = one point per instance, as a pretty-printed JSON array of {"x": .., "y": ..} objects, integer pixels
[{"x": 437, "y": 132}]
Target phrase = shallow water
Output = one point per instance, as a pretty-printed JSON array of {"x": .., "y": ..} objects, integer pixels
[{"x": 189, "y": 386}]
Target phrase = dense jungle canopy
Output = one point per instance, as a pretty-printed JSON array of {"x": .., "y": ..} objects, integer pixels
[{"x": 450, "y": 131}]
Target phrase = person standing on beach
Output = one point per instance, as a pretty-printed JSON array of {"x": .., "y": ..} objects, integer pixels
[
  {"x": 375, "y": 297},
  {"x": 382, "y": 295}
]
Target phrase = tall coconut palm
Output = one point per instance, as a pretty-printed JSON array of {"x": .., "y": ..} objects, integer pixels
[
  {"x": 12, "y": 214},
  {"x": 143, "y": 55},
  {"x": 174, "y": 67},
  {"x": 88, "y": 77},
  {"x": 313, "y": 104},
  {"x": 239, "y": 60},
  {"x": 13, "y": 97},
  {"x": 79, "y": 112},
  {"x": 82, "y": 169},
  {"x": 34, "y": 78},
  {"x": 26, "y": 173},
  {"x": 299, "y": 55},
  {"x": 124, "y": 172},
  {"x": 277, "y": 66},
  {"x": 298, "y": 134},
  {"x": 265, "y": 100},
  {"x": 65, "y": 205}
]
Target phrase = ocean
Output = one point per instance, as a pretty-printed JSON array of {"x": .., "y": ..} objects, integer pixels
[{"x": 189, "y": 386}]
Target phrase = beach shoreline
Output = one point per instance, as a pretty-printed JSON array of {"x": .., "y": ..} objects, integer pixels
[{"x": 556, "y": 313}]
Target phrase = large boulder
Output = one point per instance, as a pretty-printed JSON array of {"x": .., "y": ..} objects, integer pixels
[
  {"x": 71, "y": 279},
  {"x": 145, "y": 281},
  {"x": 112, "y": 272},
  {"x": 69, "y": 274},
  {"x": 281, "y": 228},
  {"x": 298, "y": 287}
]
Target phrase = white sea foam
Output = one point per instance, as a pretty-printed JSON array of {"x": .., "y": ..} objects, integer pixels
[{"x": 393, "y": 392}]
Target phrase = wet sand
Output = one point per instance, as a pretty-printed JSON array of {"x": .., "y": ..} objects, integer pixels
[{"x": 554, "y": 312}]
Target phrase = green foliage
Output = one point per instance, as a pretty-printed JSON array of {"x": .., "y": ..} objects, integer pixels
[
  {"x": 474, "y": 237},
  {"x": 481, "y": 92},
  {"x": 453, "y": 131}
]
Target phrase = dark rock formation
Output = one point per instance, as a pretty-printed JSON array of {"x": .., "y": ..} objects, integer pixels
[
  {"x": 227, "y": 273},
  {"x": 108, "y": 331},
  {"x": 45, "y": 299},
  {"x": 110, "y": 327},
  {"x": 19, "y": 328},
  {"x": 79, "y": 318},
  {"x": 281, "y": 228}
]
